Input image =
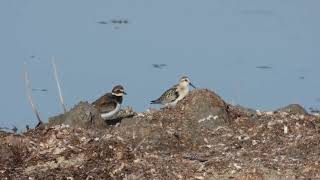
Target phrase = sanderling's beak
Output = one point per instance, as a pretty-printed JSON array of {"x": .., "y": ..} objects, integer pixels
[{"x": 192, "y": 85}]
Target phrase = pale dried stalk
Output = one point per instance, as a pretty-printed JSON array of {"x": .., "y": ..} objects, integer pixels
[
  {"x": 58, "y": 85},
  {"x": 28, "y": 91}
]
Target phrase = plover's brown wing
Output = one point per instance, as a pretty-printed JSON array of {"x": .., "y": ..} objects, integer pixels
[
  {"x": 105, "y": 103},
  {"x": 108, "y": 107}
]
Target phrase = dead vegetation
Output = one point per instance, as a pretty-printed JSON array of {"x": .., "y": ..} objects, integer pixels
[{"x": 190, "y": 141}]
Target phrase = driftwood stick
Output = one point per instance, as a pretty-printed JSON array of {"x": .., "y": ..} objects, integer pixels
[
  {"x": 58, "y": 85},
  {"x": 28, "y": 91}
]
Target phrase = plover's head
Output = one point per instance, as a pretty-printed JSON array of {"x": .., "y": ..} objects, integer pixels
[
  {"x": 118, "y": 91},
  {"x": 185, "y": 81}
]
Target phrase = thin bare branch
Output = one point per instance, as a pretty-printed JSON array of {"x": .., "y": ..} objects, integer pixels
[
  {"x": 58, "y": 85},
  {"x": 28, "y": 91}
]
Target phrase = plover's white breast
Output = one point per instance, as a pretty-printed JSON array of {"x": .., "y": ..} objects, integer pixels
[{"x": 108, "y": 115}]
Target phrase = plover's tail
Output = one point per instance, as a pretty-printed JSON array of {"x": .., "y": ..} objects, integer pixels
[{"x": 157, "y": 101}]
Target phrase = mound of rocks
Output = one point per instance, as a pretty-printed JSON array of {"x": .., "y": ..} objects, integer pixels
[
  {"x": 201, "y": 138},
  {"x": 183, "y": 126}
]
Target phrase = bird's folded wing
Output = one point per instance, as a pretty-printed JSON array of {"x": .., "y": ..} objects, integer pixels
[
  {"x": 105, "y": 104},
  {"x": 108, "y": 107},
  {"x": 170, "y": 95}
]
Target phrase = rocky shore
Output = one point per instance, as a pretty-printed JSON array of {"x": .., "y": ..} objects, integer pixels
[{"x": 203, "y": 137}]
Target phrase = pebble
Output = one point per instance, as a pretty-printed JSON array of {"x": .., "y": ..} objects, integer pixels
[
  {"x": 199, "y": 177},
  {"x": 258, "y": 112},
  {"x": 236, "y": 166},
  {"x": 254, "y": 142},
  {"x": 269, "y": 113},
  {"x": 285, "y": 129}
]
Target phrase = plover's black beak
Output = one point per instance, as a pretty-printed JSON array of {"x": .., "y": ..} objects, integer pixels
[
  {"x": 124, "y": 93},
  {"x": 192, "y": 85}
]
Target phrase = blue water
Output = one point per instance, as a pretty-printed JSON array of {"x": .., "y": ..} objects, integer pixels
[{"x": 217, "y": 43}]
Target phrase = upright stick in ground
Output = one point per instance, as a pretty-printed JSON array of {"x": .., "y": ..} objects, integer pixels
[
  {"x": 58, "y": 85},
  {"x": 28, "y": 91}
]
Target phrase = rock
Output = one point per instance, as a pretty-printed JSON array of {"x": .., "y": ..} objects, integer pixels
[
  {"x": 83, "y": 115},
  {"x": 293, "y": 109},
  {"x": 238, "y": 110},
  {"x": 204, "y": 104},
  {"x": 200, "y": 111}
]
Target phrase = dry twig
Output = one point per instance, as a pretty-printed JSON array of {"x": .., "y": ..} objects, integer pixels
[
  {"x": 28, "y": 91},
  {"x": 58, "y": 85}
]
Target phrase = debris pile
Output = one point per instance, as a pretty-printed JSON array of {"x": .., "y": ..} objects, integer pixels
[{"x": 201, "y": 138}]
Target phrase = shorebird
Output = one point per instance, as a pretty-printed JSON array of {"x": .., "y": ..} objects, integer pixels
[
  {"x": 170, "y": 97},
  {"x": 109, "y": 104}
]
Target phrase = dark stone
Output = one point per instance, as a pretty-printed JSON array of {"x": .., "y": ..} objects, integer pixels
[
  {"x": 293, "y": 109},
  {"x": 236, "y": 111},
  {"x": 83, "y": 115}
]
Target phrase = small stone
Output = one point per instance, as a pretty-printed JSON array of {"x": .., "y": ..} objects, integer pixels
[
  {"x": 285, "y": 129},
  {"x": 152, "y": 171},
  {"x": 199, "y": 177},
  {"x": 179, "y": 176},
  {"x": 298, "y": 137},
  {"x": 140, "y": 114},
  {"x": 269, "y": 113},
  {"x": 236, "y": 166},
  {"x": 58, "y": 151},
  {"x": 258, "y": 112},
  {"x": 254, "y": 142},
  {"x": 107, "y": 136},
  {"x": 120, "y": 138}
]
